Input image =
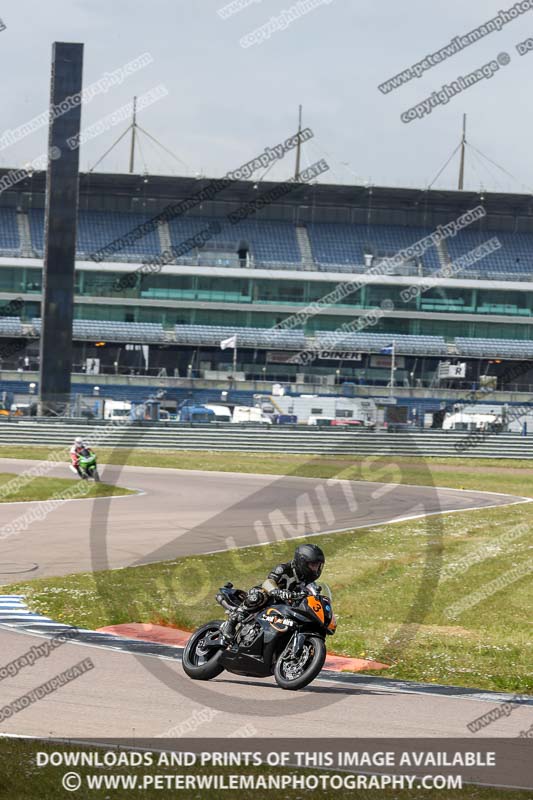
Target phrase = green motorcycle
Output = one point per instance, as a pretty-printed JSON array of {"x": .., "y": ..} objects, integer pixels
[{"x": 88, "y": 466}]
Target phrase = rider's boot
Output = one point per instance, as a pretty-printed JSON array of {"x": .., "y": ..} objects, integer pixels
[{"x": 228, "y": 628}]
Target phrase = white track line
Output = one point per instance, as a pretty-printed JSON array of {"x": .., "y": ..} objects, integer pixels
[{"x": 379, "y": 523}]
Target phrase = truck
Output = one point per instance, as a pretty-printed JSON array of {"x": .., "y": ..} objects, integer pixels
[
  {"x": 285, "y": 419},
  {"x": 222, "y": 413},
  {"x": 196, "y": 414}
]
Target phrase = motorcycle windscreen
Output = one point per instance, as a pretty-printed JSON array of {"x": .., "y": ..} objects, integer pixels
[{"x": 320, "y": 588}]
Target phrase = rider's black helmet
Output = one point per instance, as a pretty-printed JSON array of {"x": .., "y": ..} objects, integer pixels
[{"x": 308, "y": 562}]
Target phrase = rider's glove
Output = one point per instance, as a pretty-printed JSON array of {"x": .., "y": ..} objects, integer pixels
[{"x": 282, "y": 594}]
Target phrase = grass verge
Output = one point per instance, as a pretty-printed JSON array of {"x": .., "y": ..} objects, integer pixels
[{"x": 47, "y": 488}]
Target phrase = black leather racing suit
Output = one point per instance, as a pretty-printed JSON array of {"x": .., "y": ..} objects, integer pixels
[{"x": 282, "y": 576}]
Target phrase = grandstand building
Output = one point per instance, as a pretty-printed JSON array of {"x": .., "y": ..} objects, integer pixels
[{"x": 157, "y": 303}]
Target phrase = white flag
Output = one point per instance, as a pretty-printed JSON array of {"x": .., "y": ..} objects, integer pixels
[{"x": 231, "y": 342}]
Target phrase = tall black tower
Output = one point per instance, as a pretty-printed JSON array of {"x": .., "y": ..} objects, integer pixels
[{"x": 60, "y": 227}]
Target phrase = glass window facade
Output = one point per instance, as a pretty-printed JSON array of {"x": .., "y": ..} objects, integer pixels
[{"x": 256, "y": 295}]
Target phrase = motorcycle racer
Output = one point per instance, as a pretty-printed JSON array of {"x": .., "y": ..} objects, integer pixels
[
  {"x": 284, "y": 579},
  {"x": 77, "y": 448}
]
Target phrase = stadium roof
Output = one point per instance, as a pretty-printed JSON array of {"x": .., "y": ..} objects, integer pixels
[{"x": 163, "y": 189}]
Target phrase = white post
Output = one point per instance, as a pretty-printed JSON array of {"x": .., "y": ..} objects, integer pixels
[{"x": 235, "y": 359}]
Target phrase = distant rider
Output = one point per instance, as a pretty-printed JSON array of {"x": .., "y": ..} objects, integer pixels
[
  {"x": 76, "y": 450},
  {"x": 293, "y": 576}
]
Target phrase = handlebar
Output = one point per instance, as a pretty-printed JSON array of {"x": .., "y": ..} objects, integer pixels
[{"x": 289, "y": 596}]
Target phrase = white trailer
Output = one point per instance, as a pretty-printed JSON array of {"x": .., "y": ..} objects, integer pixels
[
  {"x": 250, "y": 414},
  {"x": 347, "y": 408},
  {"x": 461, "y": 421}
]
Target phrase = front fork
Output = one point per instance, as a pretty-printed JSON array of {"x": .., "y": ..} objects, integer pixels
[{"x": 294, "y": 646}]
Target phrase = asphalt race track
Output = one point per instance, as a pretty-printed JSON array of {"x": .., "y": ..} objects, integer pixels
[{"x": 179, "y": 513}]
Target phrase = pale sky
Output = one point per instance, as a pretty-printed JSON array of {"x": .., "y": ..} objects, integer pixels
[{"x": 226, "y": 103}]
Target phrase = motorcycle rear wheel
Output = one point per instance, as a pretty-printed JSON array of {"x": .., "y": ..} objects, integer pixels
[
  {"x": 295, "y": 673},
  {"x": 202, "y": 664}
]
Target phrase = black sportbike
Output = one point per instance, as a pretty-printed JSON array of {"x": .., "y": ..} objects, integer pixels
[{"x": 284, "y": 639}]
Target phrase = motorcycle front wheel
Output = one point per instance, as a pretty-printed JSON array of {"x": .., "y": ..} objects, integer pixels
[
  {"x": 96, "y": 476},
  {"x": 296, "y": 672},
  {"x": 202, "y": 663}
]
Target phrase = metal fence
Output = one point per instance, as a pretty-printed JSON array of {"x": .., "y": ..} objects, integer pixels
[{"x": 274, "y": 439}]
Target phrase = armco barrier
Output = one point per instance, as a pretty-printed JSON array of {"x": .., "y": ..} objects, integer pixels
[{"x": 306, "y": 440}]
